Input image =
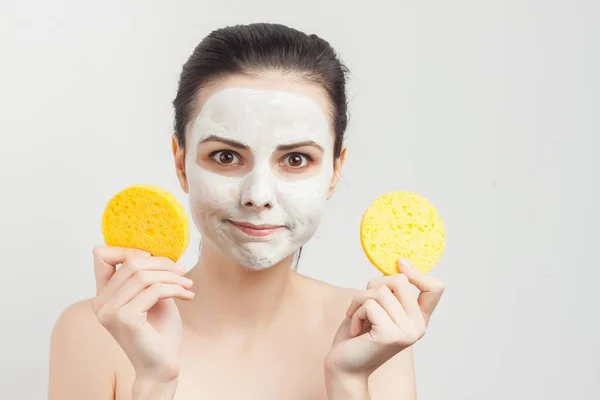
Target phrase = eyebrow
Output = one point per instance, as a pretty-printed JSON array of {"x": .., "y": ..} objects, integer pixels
[
  {"x": 292, "y": 146},
  {"x": 230, "y": 142},
  {"x": 242, "y": 146}
]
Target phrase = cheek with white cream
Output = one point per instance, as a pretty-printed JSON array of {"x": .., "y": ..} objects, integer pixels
[{"x": 263, "y": 121}]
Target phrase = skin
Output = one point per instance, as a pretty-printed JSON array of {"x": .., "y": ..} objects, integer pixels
[{"x": 228, "y": 332}]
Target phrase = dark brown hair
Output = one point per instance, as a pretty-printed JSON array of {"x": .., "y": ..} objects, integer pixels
[{"x": 248, "y": 49}]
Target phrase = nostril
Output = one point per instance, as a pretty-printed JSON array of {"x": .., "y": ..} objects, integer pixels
[{"x": 254, "y": 205}]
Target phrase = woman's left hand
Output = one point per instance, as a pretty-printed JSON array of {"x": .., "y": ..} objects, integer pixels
[{"x": 382, "y": 321}]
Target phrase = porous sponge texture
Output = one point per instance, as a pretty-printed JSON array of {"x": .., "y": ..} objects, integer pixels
[
  {"x": 148, "y": 218},
  {"x": 402, "y": 224}
]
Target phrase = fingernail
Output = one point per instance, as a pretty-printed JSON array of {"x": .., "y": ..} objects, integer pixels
[{"x": 405, "y": 264}]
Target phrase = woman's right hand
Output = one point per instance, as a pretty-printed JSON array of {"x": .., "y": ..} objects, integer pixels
[{"x": 135, "y": 303}]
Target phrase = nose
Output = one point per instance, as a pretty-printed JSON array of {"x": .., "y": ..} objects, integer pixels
[{"x": 259, "y": 190}]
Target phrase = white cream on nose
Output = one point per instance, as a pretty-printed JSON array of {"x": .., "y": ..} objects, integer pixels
[{"x": 259, "y": 189}]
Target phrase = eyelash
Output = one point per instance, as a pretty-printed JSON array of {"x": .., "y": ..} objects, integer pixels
[
  {"x": 308, "y": 158},
  {"x": 214, "y": 154}
]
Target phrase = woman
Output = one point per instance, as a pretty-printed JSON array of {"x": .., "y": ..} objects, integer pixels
[{"x": 260, "y": 116}]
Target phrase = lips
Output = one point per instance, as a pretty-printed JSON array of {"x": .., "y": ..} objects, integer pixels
[{"x": 256, "y": 230}]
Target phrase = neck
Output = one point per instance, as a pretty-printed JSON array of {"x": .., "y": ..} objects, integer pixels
[{"x": 231, "y": 296}]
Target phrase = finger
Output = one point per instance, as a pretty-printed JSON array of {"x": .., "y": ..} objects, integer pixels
[
  {"x": 107, "y": 258},
  {"x": 130, "y": 267},
  {"x": 156, "y": 292},
  {"x": 356, "y": 325},
  {"x": 357, "y": 301},
  {"x": 402, "y": 291},
  {"x": 369, "y": 293},
  {"x": 372, "y": 312},
  {"x": 431, "y": 288},
  {"x": 143, "y": 280},
  {"x": 386, "y": 299}
]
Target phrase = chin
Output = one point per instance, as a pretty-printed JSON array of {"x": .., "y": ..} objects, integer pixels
[
  {"x": 257, "y": 264},
  {"x": 250, "y": 254},
  {"x": 256, "y": 256}
]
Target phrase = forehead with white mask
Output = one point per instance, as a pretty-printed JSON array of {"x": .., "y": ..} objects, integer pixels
[{"x": 259, "y": 168}]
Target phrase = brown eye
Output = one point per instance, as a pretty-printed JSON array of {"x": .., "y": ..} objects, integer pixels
[
  {"x": 225, "y": 157},
  {"x": 297, "y": 160}
]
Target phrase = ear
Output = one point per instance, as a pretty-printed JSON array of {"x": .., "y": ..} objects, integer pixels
[
  {"x": 179, "y": 157},
  {"x": 337, "y": 171}
]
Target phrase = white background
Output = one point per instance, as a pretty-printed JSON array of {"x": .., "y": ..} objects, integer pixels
[{"x": 488, "y": 109}]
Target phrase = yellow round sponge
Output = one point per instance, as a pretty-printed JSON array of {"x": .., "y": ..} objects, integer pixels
[
  {"x": 402, "y": 225},
  {"x": 148, "y": 218}
]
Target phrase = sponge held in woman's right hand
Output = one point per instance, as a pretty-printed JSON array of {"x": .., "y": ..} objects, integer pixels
[{"x": 148, "y": 218}]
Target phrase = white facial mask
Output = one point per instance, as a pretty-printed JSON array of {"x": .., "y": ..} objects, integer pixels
[{"x": 262, "y": 120}]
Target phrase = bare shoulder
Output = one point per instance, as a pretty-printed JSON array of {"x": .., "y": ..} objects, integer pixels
[
  {"x": 78, "y": 323},
  {"x": 79, "y": 327},
  {"x": 75, "y": 312},
  {"x": 335, "y": 299},
  {"x": 83, "y": 355}
]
